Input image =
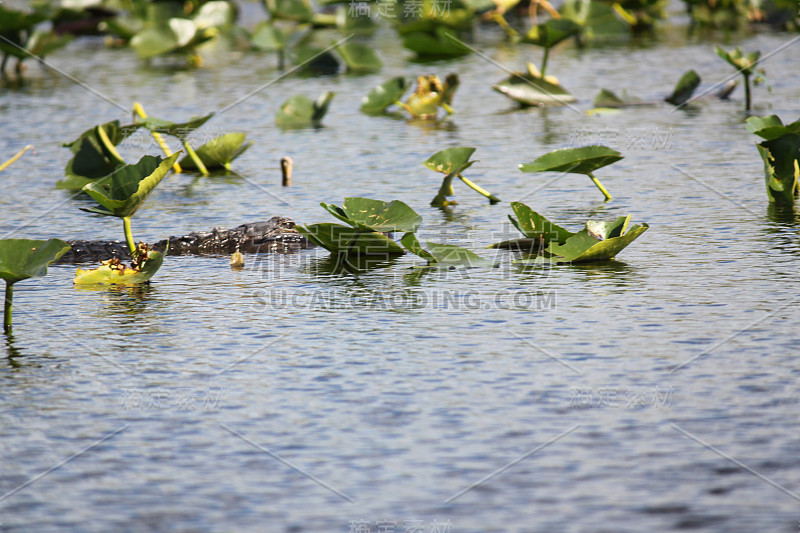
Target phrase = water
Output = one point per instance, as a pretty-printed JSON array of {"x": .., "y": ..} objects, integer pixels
[{"x": 655, "y": 393}]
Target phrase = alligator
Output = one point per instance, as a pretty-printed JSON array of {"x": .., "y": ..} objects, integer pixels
[{"x": 277, "y": 234}]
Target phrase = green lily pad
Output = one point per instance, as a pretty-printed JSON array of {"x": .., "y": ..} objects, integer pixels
[
  {"x": 123, "y": 191},
  {"x": 269, "y": 37},
  {"x": 218, "y": 152},
  {"x": 93, "y": 157},
  {"x": 297, "y": 10},
  {"x": 743, "y": 62},
  {"x": 451, "y": 160},
  {"x": 27, "y": 258},
  {"x": 599, "y": 20},
  {"x": 384, "y": 96},
  {"x": 684, "y": 89},
  {"x": 359, "y": 57},
  {"x": 434, "y": 45},
  {"x": 375, "y": 215},
  {"x": 781, "y": 158},
  {"x": 178, "y": 35},
  {"x": 607, "y": 99},
  {"x": 552, "y": 32},
  {"x": 444, "y": 255},
  {"x": 582, "y": 160},
  {"x": 531, "y": 89},
  {"x": 771, "y": 127},
  {"x": 537, "y": 229},
  {"x": 316, "y": 60},
  {"x": 181, "y": 130},
  {"x": 300, "y": 111},
  {"x": 108, "y": 275},
  {"x": 346, "y": 240},
  {"x": 215, "y": 14}
]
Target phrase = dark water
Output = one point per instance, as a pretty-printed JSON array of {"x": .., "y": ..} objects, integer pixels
[{"x": 655, "y": 393}]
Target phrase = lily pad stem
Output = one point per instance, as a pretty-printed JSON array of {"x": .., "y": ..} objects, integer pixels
[
  {"x": 126, "y": 224},
  {"x": 139, "y": 110},
  {"x": 492, "y": 198},
  {"x": 746, "y": 91},
  {"x": 17, "y": 156},
  {"x": 600, "y": 186},
  {"x": 445, "y": 190},
  {"x": 544, "y": 61},
  {"x": 101, "y": 132},
  {"x": 197, "y": 161},
  {"x": 7, "y": 307}
]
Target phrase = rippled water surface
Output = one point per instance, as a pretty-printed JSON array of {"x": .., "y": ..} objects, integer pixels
[{"x": 658, "y": 392}]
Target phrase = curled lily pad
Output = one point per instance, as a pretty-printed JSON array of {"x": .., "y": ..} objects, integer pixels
[
  {"x": 538, "y": 231},
  {"x": 684, "y": 89},
  {"x": 299, "y": 111},
  {"x": 122, "y": 192},
  {"x": 384, "y": 96},
  {"x": 552, "y": 32},
  {"x": 581, "y": 160},
  {"x": 444, "y": 255},
  {"x": 598, "y": 241},
  {"x": 95, "y": 154},
  {"x": 218, "y": 152},
  {"x": 532, "y": 89},
  {"x": 780, "y": 152},
  {"x": 375, "y": 215},
  {"x": 22, "y": 259},
  {"x": 346, "y": 240}
]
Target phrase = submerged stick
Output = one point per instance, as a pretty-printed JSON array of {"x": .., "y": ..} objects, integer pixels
[{"x": 286, "y": 169}]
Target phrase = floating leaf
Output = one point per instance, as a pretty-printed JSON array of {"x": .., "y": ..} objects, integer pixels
[
  {"x": 598, "y": 241},
  {"x": 531, "y": 89},
  {"x": 268, "y": 37},
  {"x": 300, "y": 111},
  {"x": 359, "y": 57},
  {"x": 375, "y": 215},
  {"x": 537, "y": 229},
  {"x": 316, "y": 60},
  {"x": 178, "y": 35},
  {"x": 218, "y": 152},
  {"x": 383, "y": 96},
  {"x": 684, "y": 89},
  {"x": 439, "y": 44},
  {"x": 122, "y": 192},
  {"x": 444, "y": 255},
  {"x": 114, "y": 273},
  {"x": 345, "y": 240}
]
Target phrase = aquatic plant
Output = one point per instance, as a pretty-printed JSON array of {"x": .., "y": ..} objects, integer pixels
[
  {"x": 218, "y": 153},
  {"x": 94, "y": 154},
  {"x": 549, "y": 34},
  {"x": 367, "y": 221},
  {"x": 120, "y": 194},
  {"x": 532, "y": 89},
  {"x": 424, "y": 103},
  {"x": 581, "y": 160},
  {"x": 444, "y": 255},
  {"x": 745, "y": 64},
  {"x": 684, "y": 89},
  {"x": 22, "y": 259},
  {"x": 11, "y": 160},
  {"x": 597, "y": 241},
  {"x": 181, "y": 131},
  {"x": 452, "y": 162},
  {"x": 300, "y": 111},
  {"x": 21, "y": 38},
  {"x": 780, "y": 152}
]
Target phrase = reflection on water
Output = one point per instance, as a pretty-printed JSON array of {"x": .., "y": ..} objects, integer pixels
[{"x": 338, "y": 265}]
